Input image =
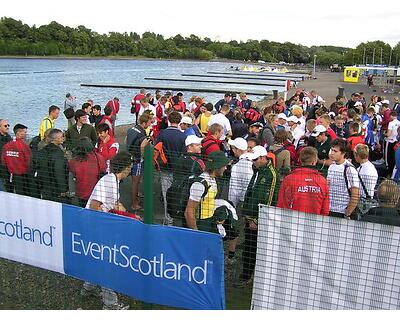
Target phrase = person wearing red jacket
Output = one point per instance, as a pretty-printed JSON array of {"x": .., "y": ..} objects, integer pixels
[
  {"x": 16, "y": 157},
  {"x": 136, "y": 103},
  {"x": 212, "y": 142},
  {"x": 114, "y": 104},
  {"x": 355, "y": 136},
  {"x": 385, "y": 112},
  {"x": 87, "y": 167},
  {"x": 305, "y": 189},
  {"x": 161, "y": 116},
  {"x": 181, "y": 103},
  {"x": 107, "y": 119},
  {"x": 107, "y": 147}
]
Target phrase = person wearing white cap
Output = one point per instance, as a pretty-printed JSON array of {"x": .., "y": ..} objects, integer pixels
[
  {"x": 186, "y": 124},
  {"x": 262, "y": 189},
  {"x": 253, "y": 131},
  {"x": 323, "y": 147},
  {"x": 241, "y": 173},
  {"x": 295, "y": 129},
  {"x": 282, "y": 120},
  {"x": 188, "y": 164}
]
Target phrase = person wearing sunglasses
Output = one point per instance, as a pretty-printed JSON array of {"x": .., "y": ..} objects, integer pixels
[{"x": 4, "y": 138}]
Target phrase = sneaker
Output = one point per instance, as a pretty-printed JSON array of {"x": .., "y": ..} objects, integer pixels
[
  {"x": 168, "y": 222},
  {"x": 117, "y": 306},
  {"x": 88, "y": 293}
]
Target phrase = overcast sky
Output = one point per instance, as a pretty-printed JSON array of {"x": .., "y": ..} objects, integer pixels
[{"x": 309, "y": 22}]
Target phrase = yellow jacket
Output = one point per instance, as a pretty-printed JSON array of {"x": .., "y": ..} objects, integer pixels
[{"x": 46, "y": 124}]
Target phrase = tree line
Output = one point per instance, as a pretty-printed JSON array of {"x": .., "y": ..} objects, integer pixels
[{"x": 53, "y": 39}]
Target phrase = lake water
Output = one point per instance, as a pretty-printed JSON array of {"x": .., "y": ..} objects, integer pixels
[{"x": 29, "y": 86}]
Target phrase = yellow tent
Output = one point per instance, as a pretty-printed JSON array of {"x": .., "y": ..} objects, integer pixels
[{"x": 351, "y": 74}]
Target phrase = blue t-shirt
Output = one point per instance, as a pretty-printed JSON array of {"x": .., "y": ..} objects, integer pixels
[
  {"x": 190, "y": 132},
  {"x": 173, "y": 141}
]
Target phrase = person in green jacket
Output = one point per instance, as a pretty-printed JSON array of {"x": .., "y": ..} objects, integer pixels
[
  {"x": 78, "y": 130},
  {"x": 263, "y": 188}
]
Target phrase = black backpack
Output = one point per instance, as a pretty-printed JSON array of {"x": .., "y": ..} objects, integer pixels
[{"x": 178, "y": 195}]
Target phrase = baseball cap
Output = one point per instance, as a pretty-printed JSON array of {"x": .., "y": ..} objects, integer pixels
[
  {"x": 385, "y": 101},
  {"x": 318, "y": 130},
  {"x": 239, "y": 143},
  {"x": 256, "y": 124},
  {"x": 282, "y": 116},
  {"x": 293, "y": 119},
  {"x": 187, "y": 120},
  {"x": 192, "y": 139},
  {"x": 258, "y": 151}
]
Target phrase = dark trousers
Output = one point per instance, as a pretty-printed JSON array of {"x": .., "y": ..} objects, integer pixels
[
  {"x": 249, "y": 252},
  {"x": 5, "y": 177},
  {"x": 22, "y": 184},
  {"x": 390, "y": 158},
  {"x": 82, "y": 202},
  {"x": 336, "y": 214}
]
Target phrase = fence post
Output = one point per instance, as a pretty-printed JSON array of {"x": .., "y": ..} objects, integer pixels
[
  {"x": 148, "y": 184},
  {"x": 148, "y": 195}
]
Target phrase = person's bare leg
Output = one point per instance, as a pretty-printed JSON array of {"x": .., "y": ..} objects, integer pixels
[
  {"x": 232, "y": 244},
  {"x": 135, "y": 191}
]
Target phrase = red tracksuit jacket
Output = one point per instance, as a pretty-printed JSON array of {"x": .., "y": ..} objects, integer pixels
[
  {"x": 16, "y": 157},
  {"x": 306, "y": 190}
]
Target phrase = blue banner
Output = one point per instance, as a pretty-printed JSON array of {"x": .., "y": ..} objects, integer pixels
[{"x": 163, "y": 265}]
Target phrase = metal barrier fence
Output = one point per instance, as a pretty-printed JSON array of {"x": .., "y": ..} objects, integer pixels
[{"x": 211, "y": 194}]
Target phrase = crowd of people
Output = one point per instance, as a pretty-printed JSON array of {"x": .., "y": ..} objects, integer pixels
[{"x": 217, "y": 162}]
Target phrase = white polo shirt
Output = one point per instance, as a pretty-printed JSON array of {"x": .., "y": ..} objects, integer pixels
[
  {"x": 338, "y": 191},
  {"x": 369, "y": 176},
  {"x": 106, "y": 191},
  {"x": 241, "y": 174}
]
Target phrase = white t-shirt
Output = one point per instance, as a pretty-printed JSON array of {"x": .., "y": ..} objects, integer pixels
[
  {"x": 191, "y": 106},
  {"x": 338, "y": 191},
  {"x": 241, "y": 175},
  {"x": 393, "y": 126},
  {"x": 223, "y": 121},
  {"x": 317, "y": 99},
  {"x": 297, "y": 133},
  {"x": 149, "y": 107},
  {"x": 197, "y": 188},
  {"x": 369, "y": 176},
  {"x": 106, "y": 191}
]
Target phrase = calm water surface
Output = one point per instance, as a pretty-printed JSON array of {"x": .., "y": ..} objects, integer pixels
[{"x": 29, "y": 86}]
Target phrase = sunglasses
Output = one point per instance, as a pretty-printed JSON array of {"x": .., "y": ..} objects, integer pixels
[{"x": 6, "y": 126}]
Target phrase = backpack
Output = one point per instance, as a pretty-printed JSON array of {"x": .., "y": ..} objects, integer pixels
[
  {"x": 34, "y": 143},
  {"x": 178, "y": 195},
  {"x": 261, "y": 133},
  {"x": 159, "y": 156},
  {"x": 207, "y": 143},
  {"x": 251, "y": 115}
]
